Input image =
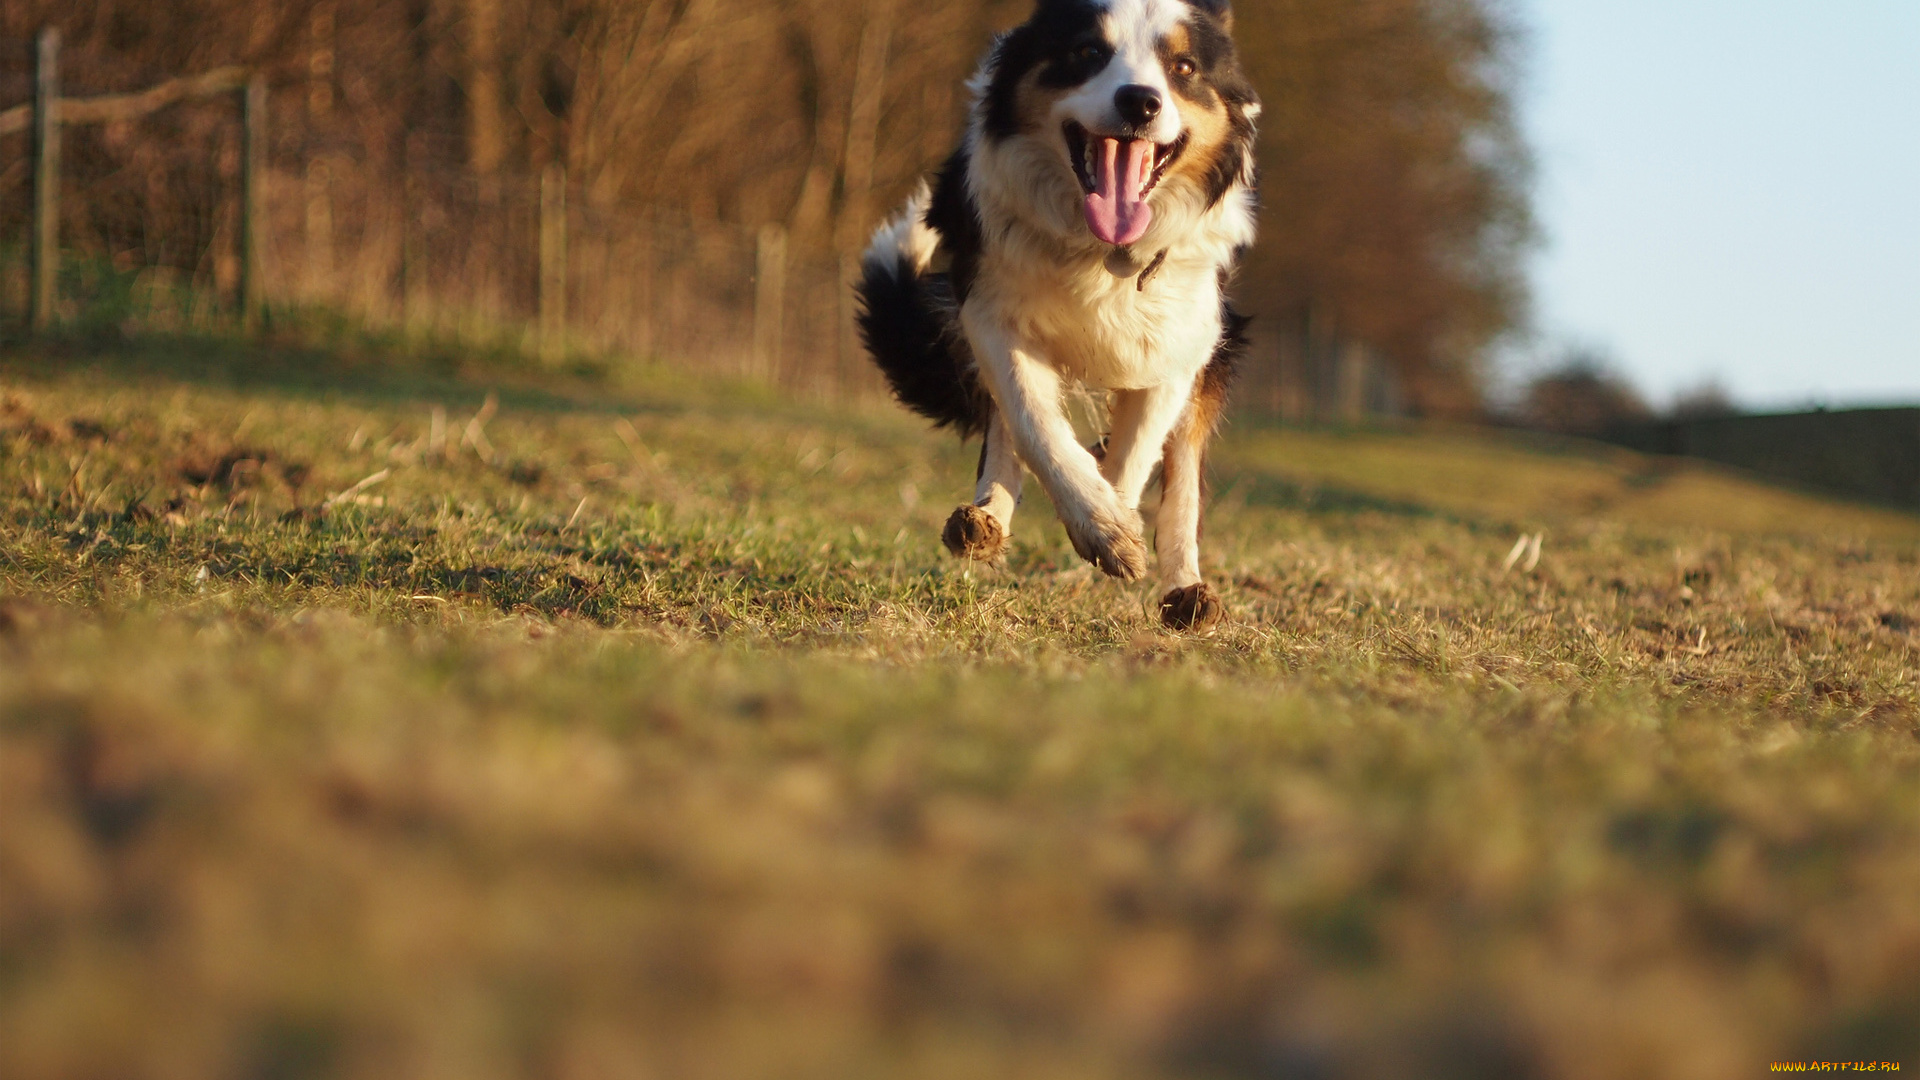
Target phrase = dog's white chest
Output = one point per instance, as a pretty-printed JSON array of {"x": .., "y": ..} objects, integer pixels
[{"x": 1106, "y": 331}]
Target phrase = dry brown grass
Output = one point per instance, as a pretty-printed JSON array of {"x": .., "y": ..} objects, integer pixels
[{"x": 681, "y": 751}]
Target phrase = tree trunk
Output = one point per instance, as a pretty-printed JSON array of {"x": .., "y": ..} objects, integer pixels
[
  {"x": 486, "y": 137},
  {"x": 863, "y": 121}
]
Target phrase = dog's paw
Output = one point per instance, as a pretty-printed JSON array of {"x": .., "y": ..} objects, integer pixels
[
  {"x": 972, "y": 533},
  {"x": 1192, "y": 609},
  {"x": 1112, "y": 545}
]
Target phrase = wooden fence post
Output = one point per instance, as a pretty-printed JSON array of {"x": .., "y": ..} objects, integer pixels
[
  {"x": 1355, "y": 362},
  {"x": 553, "y": 262},
  {"x": 319, "y": 234},
  {"x": 253, "y": 203},
  {"x": 846, "y": 330},
  {"x": 45, "y": 240},
  {"x": 319, "y": 231},
  {"x": 769, "y": 300},
  {"x": 1327, "y": 356},
  {"x": 413, "y": 270}
]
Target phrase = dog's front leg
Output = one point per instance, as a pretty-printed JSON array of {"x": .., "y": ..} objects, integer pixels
[
  {"x": 1141, "y": 420},
  {"x": 1028, "y": 392},
  {"x": 980, "y": 530}
]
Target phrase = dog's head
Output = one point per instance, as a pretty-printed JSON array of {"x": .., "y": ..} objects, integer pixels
[{"x": 1127, "y": 103}]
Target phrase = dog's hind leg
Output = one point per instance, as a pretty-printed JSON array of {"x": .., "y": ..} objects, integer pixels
[
  {"x": 980, "y": 530},
  {"x": 1189, "y": 602}
]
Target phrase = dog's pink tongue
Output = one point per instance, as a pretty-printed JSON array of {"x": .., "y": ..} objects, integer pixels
[{"x": 1116, "y": 211}]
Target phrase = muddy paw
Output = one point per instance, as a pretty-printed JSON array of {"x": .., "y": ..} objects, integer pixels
[
  {"x": 1194, "y": 608},
  {"x": 972, "y": 533},
  {"x": 1113, "y": 547}
]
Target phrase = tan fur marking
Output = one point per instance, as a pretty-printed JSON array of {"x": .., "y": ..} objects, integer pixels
[
  {"x": 1177, "y": 42},
  {"x": 1197, "y": 427},
  {"x": 1208, "y": 130},
  {"x": 1202, "y": 111},
  {"x": 1035, "y": 102},
  {"x": 1183, "y": 496},
  {"x": 1209, "y": 402}
]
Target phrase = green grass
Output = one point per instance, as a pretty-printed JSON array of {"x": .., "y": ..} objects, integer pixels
[{"x": 661, "y": 740}]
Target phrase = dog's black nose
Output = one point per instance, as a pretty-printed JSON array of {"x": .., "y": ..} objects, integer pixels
[{"x": 1138, "y": 105}]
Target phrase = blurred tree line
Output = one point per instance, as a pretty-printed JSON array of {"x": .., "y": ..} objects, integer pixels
[{"x": 1396, "y": 184}]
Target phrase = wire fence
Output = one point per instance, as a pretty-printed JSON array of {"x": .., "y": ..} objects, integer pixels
[
  {"x": 175, "y": 216},
  {"x": 446, "y": 252},
  {"x": 454, "y": 255},
  {"x": 183, "y": 216}
]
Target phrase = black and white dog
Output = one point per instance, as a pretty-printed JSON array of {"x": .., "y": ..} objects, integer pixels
[{"x": 1083, "y": 233}]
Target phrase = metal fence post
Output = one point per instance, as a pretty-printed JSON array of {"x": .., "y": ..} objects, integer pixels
[
  {"x": 253, "y": 203},
  {"x": 45, "y": 239}
]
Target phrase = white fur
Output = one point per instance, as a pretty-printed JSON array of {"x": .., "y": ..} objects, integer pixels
[
  {"x": 1177, "y": 526},
  {"x": 1142, "y": 420},
  {"x": 905, "y": 237},
  {"x": 998, "y": 489},
  {"x": 1141, "y": 22},
  {"x": 1134, "y": 29},
  {"x": 1028, "y": 392},
  {"x": 1044, "y": 310}
]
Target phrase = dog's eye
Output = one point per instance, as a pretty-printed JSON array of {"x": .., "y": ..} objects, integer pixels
[
  {"x": 1090, "y": 53},
  {"x": 1185, "y": 67}
]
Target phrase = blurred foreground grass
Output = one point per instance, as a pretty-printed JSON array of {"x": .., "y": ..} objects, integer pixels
[{"x": 351, "y": 728}]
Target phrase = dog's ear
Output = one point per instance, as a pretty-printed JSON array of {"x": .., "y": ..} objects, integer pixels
[{"x": 1218, "y": 9}]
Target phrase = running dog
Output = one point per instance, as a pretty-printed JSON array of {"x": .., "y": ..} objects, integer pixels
[{"x": 1083, "y": 232}]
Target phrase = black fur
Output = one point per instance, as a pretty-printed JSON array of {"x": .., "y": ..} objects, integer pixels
[
  {"x": 1063, "y": 41},
  {"x": 1224, "y": 366},
  {"x": 1052, "y": 41},
  {"x": 951, "y": 213},
  {"x": 909, "y": 322},
  {"x": 1216, "y": 382},
  {"x": 1220, "y": 75}
]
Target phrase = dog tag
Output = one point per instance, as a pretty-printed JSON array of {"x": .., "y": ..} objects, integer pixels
[{"x": 1121, "y": 264}]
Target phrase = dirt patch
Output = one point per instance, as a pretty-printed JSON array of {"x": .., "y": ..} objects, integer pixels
[
  {"x": 21, "y": 619},
  {"x": 18, "y": 419},
  {"x": 241, "y": 467}
]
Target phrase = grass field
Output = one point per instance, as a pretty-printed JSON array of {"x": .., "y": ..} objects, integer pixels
[{"x": 351, "y": 726}]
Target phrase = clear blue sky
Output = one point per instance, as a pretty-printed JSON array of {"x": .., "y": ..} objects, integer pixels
[{"x": 1731, "y": 189}]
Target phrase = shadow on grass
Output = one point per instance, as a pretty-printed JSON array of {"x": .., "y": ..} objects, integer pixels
[
  {"x": 1252, "y": 487},
  {"x": 323, "y": 357}
]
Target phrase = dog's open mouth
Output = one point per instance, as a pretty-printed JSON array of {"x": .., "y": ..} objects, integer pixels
[{"x": 1117, "y": 175}]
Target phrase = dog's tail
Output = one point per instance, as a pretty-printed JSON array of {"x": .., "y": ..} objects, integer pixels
[{"x": 910, "y": 324}]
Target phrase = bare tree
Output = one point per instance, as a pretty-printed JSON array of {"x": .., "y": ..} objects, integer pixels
[
  {"x": 1582, "y": 395},
  {"x": 1395, "y": 181}
]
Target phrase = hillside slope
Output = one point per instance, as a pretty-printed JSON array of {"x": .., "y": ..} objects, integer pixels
[{"x": 353, "y": 726}]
